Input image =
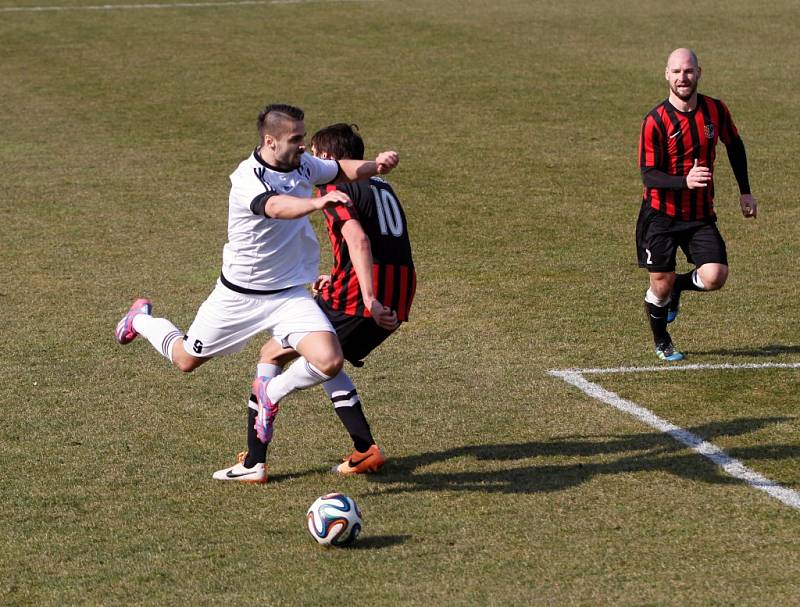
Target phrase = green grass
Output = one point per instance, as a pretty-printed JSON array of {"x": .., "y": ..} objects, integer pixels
[{"x": 517, "y": 124}]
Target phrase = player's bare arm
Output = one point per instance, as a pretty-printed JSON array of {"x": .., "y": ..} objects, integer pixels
[
  {"x": 356, "y": 170},
  {"x": 361, "y": 255},
  {"x": 293, "y": 207}
]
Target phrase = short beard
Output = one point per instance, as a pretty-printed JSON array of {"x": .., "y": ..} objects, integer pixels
[
  {"x": 292, "y": 164},
  {"x": 684, "y": 97}
]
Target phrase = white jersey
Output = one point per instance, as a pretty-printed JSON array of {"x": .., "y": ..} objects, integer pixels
[{"x": 266, "y": 254}]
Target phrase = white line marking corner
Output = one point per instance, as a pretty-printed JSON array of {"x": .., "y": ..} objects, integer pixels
[{"x": 731, "y": 466}]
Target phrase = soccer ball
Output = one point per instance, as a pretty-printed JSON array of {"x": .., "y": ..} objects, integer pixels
[{"x": 334, "y": 520}]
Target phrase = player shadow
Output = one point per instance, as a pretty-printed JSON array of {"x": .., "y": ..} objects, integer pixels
[
  {"x": 484, "y": 468},
  {"x": 769, "y": 350}
]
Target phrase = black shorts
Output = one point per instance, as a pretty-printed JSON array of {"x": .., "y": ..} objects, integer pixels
[
  {"x": 658, "y": 237},
  {"x": 358, "y": 335}
]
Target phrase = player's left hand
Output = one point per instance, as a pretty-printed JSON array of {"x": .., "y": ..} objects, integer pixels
[
  {"x": 749, "y": 205},
  {"x": 386, "y": 161},
  {"x": 322, "y": 282}
]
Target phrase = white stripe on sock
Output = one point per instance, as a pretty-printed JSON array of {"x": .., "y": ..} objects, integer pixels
[
  {"x": 344, "y": 399},
  {"x": 169, "y": 340}
]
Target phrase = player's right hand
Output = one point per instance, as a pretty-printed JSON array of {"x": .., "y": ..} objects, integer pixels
[
  {"x": 698, "y": 177},
  {"x": 331, "y": 199},
  {"x": 386, "y": 161},
  {"x": 384, "y": 316}
]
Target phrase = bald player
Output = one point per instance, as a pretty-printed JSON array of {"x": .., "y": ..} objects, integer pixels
[{"x": 677, "y": 151}]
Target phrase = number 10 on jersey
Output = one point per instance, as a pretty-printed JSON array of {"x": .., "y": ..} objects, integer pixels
[{"x": 389, "y": 217}]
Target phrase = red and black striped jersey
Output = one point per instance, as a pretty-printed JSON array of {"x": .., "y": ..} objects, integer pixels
[
  {"x": 378, "y": 210},
  {"x": 671, "y": 141}
]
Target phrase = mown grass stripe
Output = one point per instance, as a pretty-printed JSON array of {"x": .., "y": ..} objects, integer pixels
[{"x": 115, "y": 7}]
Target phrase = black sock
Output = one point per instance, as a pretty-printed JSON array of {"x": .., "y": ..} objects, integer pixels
[
  {"x": 356, "y": 425},
  {"x": 684, "y": 282},
  {"x": 256, "y": 450},
  {"x": 658, "y": 322}
]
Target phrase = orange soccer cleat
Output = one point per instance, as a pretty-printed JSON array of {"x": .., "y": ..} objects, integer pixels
[{"x": 371, "y": 460}]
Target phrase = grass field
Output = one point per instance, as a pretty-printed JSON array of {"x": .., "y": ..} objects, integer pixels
[{"x": 517, "y": 123}]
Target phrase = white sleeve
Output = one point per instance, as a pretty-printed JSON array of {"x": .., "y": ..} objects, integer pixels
[
  {"x": 322, "y": 171},
  {"x": 246, "y": 185}
]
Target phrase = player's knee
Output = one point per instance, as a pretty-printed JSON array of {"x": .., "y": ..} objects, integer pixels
[
  {"x": 717, "y": 283},
  {"x": 714, "y": 278},
  {"x": 185, "y": 365},
  {"x": 322, "y": 349},
  {"x": 331, "y": 365},
  {"x": 329, "y": 362},
  {"x": 183, "y": 361},
  {"x": 661, "y": 284}
]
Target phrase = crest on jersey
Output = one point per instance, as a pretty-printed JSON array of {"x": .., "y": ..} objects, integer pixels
[{"x": 709, "y": 130}]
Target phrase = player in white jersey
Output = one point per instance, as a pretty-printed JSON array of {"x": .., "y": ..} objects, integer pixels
[{"x": 271, "y": 254}]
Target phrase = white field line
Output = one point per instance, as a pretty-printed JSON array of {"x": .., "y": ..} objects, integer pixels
[
  {"x": 668, "y": 367},
  {"x": 122, "y": 7},
  {"x": 732, "y": 466}
]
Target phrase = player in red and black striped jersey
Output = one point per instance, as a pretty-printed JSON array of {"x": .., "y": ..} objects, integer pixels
[
  {"x": 377, "y": 211},
  {"x": 373, "y": 270},
  {"x": 677, "y": 151},
  {"x": 370, "y": 289}
]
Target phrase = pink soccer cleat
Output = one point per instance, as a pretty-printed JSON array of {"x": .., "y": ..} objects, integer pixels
[
  {"x": 267, "y": 410},
  {"x": 125, "y": 333}
]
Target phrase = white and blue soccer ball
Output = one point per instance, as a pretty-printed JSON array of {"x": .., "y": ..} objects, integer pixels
[{"x": 334, "y": 520}]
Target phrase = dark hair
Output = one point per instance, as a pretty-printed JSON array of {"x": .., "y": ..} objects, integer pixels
[
  {"x": 339, "y": 140},
  {"x": 273, "y": 116}
]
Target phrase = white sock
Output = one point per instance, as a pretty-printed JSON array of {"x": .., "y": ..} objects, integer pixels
[
  {"x": 341, "y": 390},
  {"x": 160, "y": 332},
  {"x": 651, "y": 298},
  {"x": 301, "y": 374}
]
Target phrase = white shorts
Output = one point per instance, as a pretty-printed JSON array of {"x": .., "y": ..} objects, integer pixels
[{"x": 227, "y": 320}]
